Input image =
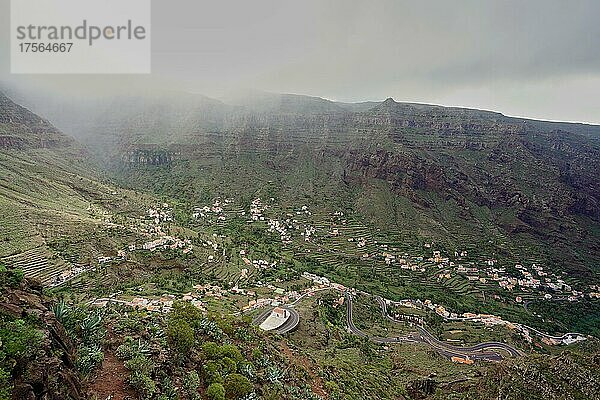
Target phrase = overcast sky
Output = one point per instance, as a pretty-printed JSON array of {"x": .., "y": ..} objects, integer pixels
[{"x": 534, "y": 58}]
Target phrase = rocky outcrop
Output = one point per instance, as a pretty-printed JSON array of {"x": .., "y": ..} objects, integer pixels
[
  {"x": 147, "y": 157},
  {"x": 8, "y": 142},
  {"x": 50, "y": 374},
  {"x": 21, "y": 129}
]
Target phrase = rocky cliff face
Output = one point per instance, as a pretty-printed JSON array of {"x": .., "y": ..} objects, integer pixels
[
  {"x": 50, "y": 373},
  {"x": 12, "y": 142},
  {"x": 21, "y": 129},
  {"x": 149, "y": 157},
  {"x": 467, "y": 155},
  {"x": 440, "y": 120},
  {"x": 567, "y": 375}
]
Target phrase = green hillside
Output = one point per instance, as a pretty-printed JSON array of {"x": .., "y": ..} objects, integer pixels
[{"x": 141, "y": 265}]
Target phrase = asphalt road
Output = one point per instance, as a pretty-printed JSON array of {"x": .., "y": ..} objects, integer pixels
[
  {"x": 560, "y": 338},
  {"x": 432, "y": 340},
  {"x": 287, "y": 326},
  {"x": 482, "y": 351},
  {"x": 291, "y": 323}
]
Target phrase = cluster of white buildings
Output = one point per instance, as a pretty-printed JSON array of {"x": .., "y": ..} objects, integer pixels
[
  {"x": 281, "y": 229},
  {"x": 281, "y": 296},
  {"x": 309, "y": 231},
  {"x": 163, "y": 304},
  {"x": 304, "y": 210},
  {"x": 258, "y": 264},
  {"x": 256, "y": 210},
  {"x": 72, "y": 273},
  {"x": 528, "y": 279},
  {"x": 216, "y": 209},
  {"x": 160, "y": 214},
  {"x": 490, "y": 320},
  {"x": 319, "y": 280},
  {"x": 164, "y": 243}
]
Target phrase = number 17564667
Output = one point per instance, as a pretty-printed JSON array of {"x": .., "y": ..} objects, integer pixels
[{"x": 45, "y": 47}]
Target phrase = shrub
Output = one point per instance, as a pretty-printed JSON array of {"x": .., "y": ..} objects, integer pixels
[
  {"x": 180, "y": 336},
  {"x": 5, "y": 385},
  {"x": 237, "y": 386},
  {"x": 139, "y": 365},
  {"x": 168, "y": 390},
  {"x": 125, "y": 352},
  {"x": 11, "y": 277},
  {"x": 211, "y": 351},
  {"x": 143, "y": 385},
  {"x": 232, "y": 351},
  {"x": 191, "y": 383},
  {"x": 132, "y": 348},
  {"x": 212, "y": 372},
  {"x": 332, "y": 388},
  {"x": 215, "y": 391},
  {"x": 88, "y": 358},
  {"x": 20, "y": 339},
  {"x": 17, "y": 276},
  {"x": 228, "y": 365},
  {"x": 226, "y": 326},
  {"x": 185, "y": 311}
]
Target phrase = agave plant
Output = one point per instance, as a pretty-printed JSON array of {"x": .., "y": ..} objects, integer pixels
[
  {"x": 142, "y": 347},
  {"x": 91, "y": 323},
  {"x": 250, "y": 396},
  {"x": 90, "y": 327},
  {"x": 132, "y": 348},
  {"x": 248, "y": 371},
  {"x": 88, "y": 358},
  {"x": 61, "y": 311},
  {"x": 211, "y": 329},
  {"x": 274, "y": 374}
]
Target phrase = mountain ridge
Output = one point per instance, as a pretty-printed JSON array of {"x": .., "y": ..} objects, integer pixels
[{"x": 224, "y": 206}]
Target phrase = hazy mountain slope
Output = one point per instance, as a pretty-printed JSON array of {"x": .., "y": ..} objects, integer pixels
[
  {"x": 403, "y": 175},
  {"x": 465, "y": 176},
  {"x": 263, "y": 102},
  {"x": 50, "y": 194}
]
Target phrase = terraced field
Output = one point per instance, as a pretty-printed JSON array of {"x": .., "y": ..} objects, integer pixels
[{"x": 38, "y": 263}]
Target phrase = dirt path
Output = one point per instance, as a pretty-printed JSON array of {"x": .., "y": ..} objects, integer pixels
[
  {"x": 316, "y": 382},
  {"x": 110, "y": 380}
]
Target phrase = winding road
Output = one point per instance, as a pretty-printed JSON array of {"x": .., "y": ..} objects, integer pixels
[
  {"x": 484, "y": 351},
  {"x": 287, "y": 326},
  {"x": 574, "y": 336}
]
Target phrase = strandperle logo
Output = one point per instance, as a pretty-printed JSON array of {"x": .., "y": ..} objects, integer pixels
[
  {"x": 85, "y": 31},
  {"x": 80, "y": 36}
]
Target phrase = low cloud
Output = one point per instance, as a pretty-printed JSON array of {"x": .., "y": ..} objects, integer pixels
[{"x": 538, "y": 58}]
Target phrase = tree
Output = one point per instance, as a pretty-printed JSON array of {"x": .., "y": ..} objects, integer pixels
[
  {"x": 237, "y": 386},
  {"x": 186, "y": 311},
  {"x": 215, "y": 391}
]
